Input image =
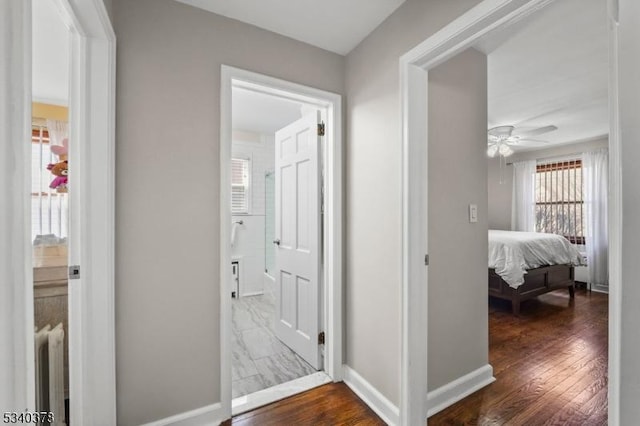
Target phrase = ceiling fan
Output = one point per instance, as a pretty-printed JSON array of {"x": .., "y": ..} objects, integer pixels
[{"x": 502, "y": 139}]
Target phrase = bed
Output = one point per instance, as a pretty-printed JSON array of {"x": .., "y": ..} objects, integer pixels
[{"x": 523, "y": 265}]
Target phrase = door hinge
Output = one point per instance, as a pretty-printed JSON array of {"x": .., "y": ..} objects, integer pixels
[
  {"x": 426, "y": 259},
  {"x": 321, "y": 129},
  {"x": 321, "y": 338},
  {"x": 74, "y": 272}
]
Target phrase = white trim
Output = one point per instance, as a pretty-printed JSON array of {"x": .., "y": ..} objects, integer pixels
[
  {"x": 91, "y": 305},
  {"x": 615, "y": 221},
  {"x": 414, "y": 247},
  {"x": 384, "y": 408},
  {"x": 91, "y": 299},
  {"x": 460, "y": 388},
  {"x": 225, "y": 241},
  {"x": 276, "y": 393},
  {"x": 204, "y": 416},
  {"x": 468, "y": 28},
  {"x": 252, "y": 293},
  {"x": 77, "y": 131},
  {"x": 446, "y": 43},
  {"x": 332, "y": 171},
  {"x": 92, "y": 238},
  {"x": 600, "y": 288},
  {"x": 17, "y": 385}
]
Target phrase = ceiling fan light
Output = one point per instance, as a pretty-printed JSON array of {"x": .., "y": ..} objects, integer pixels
[
  {"x": 505, "y": 150},
  {"x": 492, "y": 150}
]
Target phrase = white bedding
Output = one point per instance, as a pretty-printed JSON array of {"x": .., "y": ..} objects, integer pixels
[{"x": 512, "y": 253}]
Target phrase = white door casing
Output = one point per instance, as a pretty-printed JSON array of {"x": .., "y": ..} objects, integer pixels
[
  {"x": 16, "y": 298},
  {"x": 332, "y": 245},
  {"x": 298, "y": 237},
  {"x": 92, "y": 100}
]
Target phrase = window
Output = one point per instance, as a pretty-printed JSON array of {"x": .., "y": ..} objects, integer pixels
[
  {"x": 559, "y": 201},
  {"x": 49, "y": 209},
  {"x": 240, "y": 185}
]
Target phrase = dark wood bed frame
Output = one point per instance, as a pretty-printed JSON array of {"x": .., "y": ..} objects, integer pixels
[{"x": 536, "y": 282}]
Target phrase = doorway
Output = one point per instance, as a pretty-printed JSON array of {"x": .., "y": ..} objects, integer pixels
[
  {"x": 275, "y": 242},
  {"x": 415, "y": 66},
  {"x": 91, "y": 104},
  {"x": 549, "y": 152},
  {"x": 51, "y": 189},
  {"x": 280, "y": 237}
]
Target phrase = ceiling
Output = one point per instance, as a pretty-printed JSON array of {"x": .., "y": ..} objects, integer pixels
[
  {"x": 549, "y": 69},
  {"x": 50, "y": 68},
  {"x": 334, "y": 25},
  {"x": 552, "y": 69},
  {"x": 260, "y": 113}
]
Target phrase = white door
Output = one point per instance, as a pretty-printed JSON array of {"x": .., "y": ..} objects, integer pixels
[{"x": 298, "y": 237}]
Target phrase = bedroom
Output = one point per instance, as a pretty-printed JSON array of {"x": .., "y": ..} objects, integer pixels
[{"x": 546, "y": 173}]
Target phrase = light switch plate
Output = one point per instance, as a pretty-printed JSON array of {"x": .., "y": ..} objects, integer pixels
[{"x": 473, "y": 213}]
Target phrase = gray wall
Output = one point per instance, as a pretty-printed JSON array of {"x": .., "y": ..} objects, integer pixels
[
  {"x": 630, "y": 132},
  {"x": 500, "y": 195},
  {"x": 458, "y": 313},
  {"x": 108, "y": 5},
  {"x": 500, "y": 188},
  {"x": 167, "y": 111},
  {"x": 167, "y": 138},
  {"x": 373, "y": 193},
  {"x": 561, "y": 150}
]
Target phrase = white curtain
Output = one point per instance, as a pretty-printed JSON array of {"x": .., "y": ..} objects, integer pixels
[
  {"x": 523, "y": 209},
  {"x": 595, "y": 166},
  {"x": 58, "y": 132}
]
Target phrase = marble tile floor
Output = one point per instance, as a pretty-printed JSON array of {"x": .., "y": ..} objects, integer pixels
[{"x": 259, "y": 359}]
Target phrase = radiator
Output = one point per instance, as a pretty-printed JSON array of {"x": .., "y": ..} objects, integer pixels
[{"x": 49, "y": 349}]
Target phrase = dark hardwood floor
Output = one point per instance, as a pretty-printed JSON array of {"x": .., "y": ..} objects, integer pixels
[
  {"x": 331, "y": 404},
  {"x": 550, "y": 365}
]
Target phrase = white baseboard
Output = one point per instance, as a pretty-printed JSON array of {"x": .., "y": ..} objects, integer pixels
[
  {"x": 462, "y": 387},
  {"x": 211, "y": 415},
  {"x": 371, "y": 396},
  {"x": 252, "y": 293},
  {"x": 600, "y": 288},
  {"x": 278, "y": 392},
  {"x": 269, "y": 284}
]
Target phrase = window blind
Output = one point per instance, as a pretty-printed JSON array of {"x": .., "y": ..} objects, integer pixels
[
  {"x": 559, "y": 200},
  {"x": 240, "y": 185}
]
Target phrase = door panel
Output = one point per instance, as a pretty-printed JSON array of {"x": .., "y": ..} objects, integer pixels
[{"x": 298, "y": 232}]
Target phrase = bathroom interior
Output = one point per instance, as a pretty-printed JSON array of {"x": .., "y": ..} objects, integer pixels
[{"x": 260, "y": 361}]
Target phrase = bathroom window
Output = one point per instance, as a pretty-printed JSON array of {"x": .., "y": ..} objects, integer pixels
[{"x": 240, "y": 191}]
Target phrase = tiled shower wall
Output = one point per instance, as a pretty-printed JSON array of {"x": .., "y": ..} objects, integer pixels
[{"x": 249, "y": 245}]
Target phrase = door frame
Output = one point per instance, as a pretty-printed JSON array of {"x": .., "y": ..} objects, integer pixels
[
  {"x": 332, "y": 267},
  {"x": 91, "y": 298},
  {"x": 414, "y": 66}
]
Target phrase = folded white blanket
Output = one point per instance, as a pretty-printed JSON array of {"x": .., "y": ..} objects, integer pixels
[{"x": 512, "y": 253}]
